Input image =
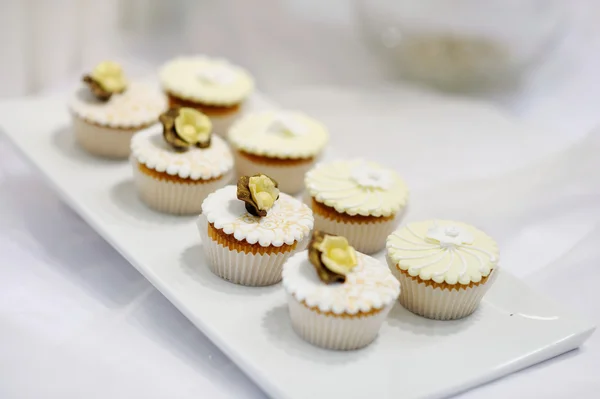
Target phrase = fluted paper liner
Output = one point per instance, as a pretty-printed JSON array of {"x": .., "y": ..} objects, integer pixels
[
  {"x": 222, "y": 123},
  {"x": 241, "y": 267},
  {"x": 174, "y": 197},
  {"x": 436, "y": 303},
  {"x": 289, "y": 177},
  {"x": 109, "y": 142},
  {"x": 335, "y": 332}
]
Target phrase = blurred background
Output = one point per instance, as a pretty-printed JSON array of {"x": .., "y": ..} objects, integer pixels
[
  {"x": 367, "y": 68},
  {"x": 521, "y": 54}
]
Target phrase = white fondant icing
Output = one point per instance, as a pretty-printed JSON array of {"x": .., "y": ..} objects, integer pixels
[
  {"x": 449, "y": 236},
  {"x": 288, "y": 221},
  {"x": 443, "y": 251},
  {"x": 138, "y": 105},
  {"x": 369, "y": 177},
  {"x": 150, "y": 149},
  {"x": 286, "y": 124},
  {"x": 370, "y": 285},
  {"x": 217, "y": 75},
  {"x": 357, "y": 187},
  {"x": 206, "y": 80},
  {"x": 279, "y": 134}
]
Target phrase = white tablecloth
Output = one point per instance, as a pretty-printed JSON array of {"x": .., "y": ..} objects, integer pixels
[{"x": 76, "y": 320}]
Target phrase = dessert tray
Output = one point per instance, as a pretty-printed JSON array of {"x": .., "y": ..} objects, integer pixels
[{"x": 412, "y": 357}]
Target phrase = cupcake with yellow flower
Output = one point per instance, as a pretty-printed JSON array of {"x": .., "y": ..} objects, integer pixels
[
  {"x": 108, "y": 110},
  {"x": 248, "y": 231},
  {"x": 338, "y": 298},
  {"x": 177, "y": 163},
  {"x": 213, "y": 86}
]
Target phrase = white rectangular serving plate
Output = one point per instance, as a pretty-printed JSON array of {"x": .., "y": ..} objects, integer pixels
[{"x": 412, "y": 357}]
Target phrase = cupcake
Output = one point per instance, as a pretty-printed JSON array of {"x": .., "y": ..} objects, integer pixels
[
  {"x": 445, "y": 267},
  {"x": 282, "y": 144},
  {"x": 359, "y": 200},
  {"x": 108, "y": 110},
  {"x": 249, "y": 231},
  {"x": 210, "y": 85},
  {"x": 177, "y": 163},
  {"x": 337, "y": 297}
]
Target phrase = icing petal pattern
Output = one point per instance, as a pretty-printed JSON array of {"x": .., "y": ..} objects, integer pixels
[
  {"x": 443, "y": 251},
  {"x": 357, "y": 187}
]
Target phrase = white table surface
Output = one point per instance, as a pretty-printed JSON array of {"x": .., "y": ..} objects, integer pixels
[{"x": 76, "y": 320}]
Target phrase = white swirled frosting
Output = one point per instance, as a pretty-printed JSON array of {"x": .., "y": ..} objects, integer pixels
[
  {"x": 288, "y": 221},
  {"x": 279, "y": 134},
  {"x": 206, "y": 80},
  {"x": 357, "y": 187},
  {"x": 370, "y": 285},
  {"x": 443, "y": 251},
  {"x": 149, "y": 148},
  {"x": 138, "y": 105}
]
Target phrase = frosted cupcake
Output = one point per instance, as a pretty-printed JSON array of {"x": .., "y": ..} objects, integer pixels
[
  {"x": 109, "y": 110},
  {"x": 445, "y": 267},
  {"x": 249, "y": 231},
  {"x": 210, "y": 85},
  {"x": 338, "y": 298},
  {"x": 282, "y": 144},
  {"x": 178, "y": 163},
  {"x": 359, "y": 200}
]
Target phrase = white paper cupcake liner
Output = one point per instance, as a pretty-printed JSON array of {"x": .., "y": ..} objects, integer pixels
[
  {"x": 173, "y": 197},
  {"x": 240, "y": 267},
  {"x": 335, "y": 332},
  {"x": 290, "y": 178},
  {"x": 109, "y": 142},
  {"x": 221, "y": 124},
  {"x": 436, "y": 303},
  {"x": 364, "y": 237}
]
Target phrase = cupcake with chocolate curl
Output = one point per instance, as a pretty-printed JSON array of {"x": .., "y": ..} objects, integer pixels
[
  {"x": 108, "y": 110},
  {"x": 178, "y": 163},
  {"x": 248, "y": 231},
  {"x": 338, "y": 298}
]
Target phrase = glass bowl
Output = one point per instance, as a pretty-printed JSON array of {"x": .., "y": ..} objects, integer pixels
[{"x": 462, "y": 44}]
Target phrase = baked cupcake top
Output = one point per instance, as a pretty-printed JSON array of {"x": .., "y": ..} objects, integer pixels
[
  {"x": 357, "y": 187},
  {"x": 138, "y": 105},
  {"x": 279, "y": 134},
  {"x": 286, "y": 222},
  {"x": 212, "y": 81},
  {"x": 150, "y": 148},
  {"x": 368, "y": 285},
  {"x": 443, "y": 251}
]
